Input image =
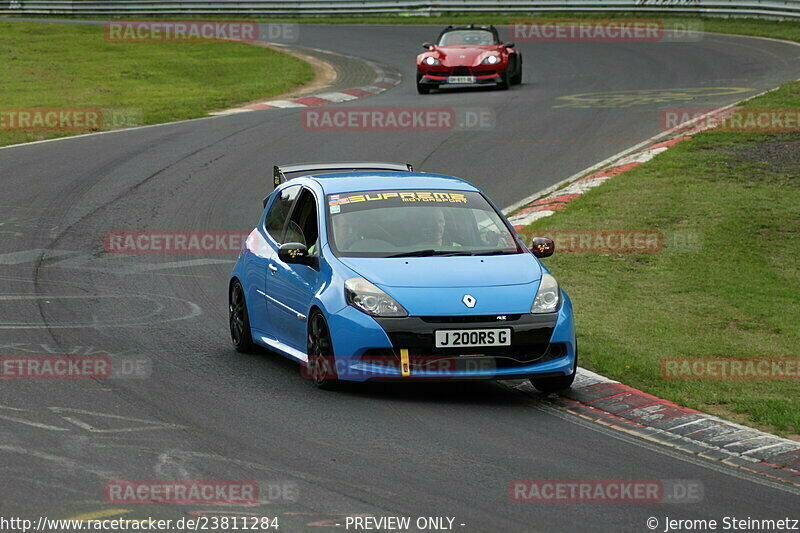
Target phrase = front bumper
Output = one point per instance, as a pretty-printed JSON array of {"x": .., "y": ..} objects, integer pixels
[
  {"x": 387, "y": 349},
  {"x": 437, "y": 76}
]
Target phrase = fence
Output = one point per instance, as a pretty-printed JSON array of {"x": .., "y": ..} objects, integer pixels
[{"x": 752, "y": 8}]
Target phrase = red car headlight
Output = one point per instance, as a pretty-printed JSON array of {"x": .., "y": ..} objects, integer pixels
[
  {"x": 430, "y": 60},
  {"x": 490, "y": 60}
]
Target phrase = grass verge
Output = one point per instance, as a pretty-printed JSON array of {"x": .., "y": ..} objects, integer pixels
[
  {"x": 733, "y": 290},
  {"x": 57, "y": 66}
]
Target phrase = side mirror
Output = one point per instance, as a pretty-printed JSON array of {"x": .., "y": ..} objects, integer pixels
[
  {"x": 427, "y": 46},
  {"x": 293, "y": 253},
  {"x": 542, "y": 247},
  {"x": 510, "y": 44}
]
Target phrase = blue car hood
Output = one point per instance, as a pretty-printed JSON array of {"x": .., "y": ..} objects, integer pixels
[
  {"x": 439, "y": 272},
  {"x": 501, "y": 284}
]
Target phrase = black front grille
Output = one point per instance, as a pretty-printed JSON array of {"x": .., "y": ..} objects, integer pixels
[
  {"x": 462, "y": 71},
  {"x": 530, "y": 338}
]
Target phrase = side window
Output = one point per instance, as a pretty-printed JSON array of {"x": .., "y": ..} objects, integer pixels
[
  {"x": 490, "y": 230},
  {"x": 303, "y": 225},
  {"x": 276, "y": 217}
]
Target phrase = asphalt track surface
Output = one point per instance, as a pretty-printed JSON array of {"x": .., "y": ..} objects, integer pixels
[{"x": 207, "y": 412}]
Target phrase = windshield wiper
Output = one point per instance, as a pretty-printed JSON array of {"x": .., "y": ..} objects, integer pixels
[
  {"x": 447, "y": 253},
  {"x": 416, "y": 253},
  {"x": 497, "y": 252},
  {"x": 430, "y": 253}
]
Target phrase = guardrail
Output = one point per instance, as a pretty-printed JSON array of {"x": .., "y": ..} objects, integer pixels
[{"x": 751, "y": 8}]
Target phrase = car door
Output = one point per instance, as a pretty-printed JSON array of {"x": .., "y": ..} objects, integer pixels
[
  {"x": 272, "y": 230},
  {"x": 291, "y": 287}
]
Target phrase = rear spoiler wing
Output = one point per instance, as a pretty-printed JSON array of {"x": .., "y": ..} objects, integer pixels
[{"x": 279, "y": 172}]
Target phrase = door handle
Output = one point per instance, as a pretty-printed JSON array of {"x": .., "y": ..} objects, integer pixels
[{"x": 272, "y": 267}]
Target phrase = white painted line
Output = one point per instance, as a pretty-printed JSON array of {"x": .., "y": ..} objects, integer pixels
[
  {"x": 703, "y": 419},
  {"x": 135, "y": 128},
  {"x": 581, "y": 187},
  {"x": 284, "y": 104},
  {"x": 31, "y": 423},
  {"x": 371, "y": 89},
  {"x": 768, "y": 446},
  {"x": 738, "y": 442},
  {"x": 231, "y": 112},
  {"x": 727, "y": 434},
  {"x": 109, "y": 266},
  {"x": 589, "y": 375},
  {"x": 641, "y": 157},
  {"x": 336, "y": 97},
  {"x": 528, "y": 218},
  {"x": 92, "y": 429}
]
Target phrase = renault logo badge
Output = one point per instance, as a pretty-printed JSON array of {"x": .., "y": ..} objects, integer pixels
[{"x": 469, "y": 301}]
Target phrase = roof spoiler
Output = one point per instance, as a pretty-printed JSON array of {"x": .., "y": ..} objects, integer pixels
[{"x": 279, "y": 172}]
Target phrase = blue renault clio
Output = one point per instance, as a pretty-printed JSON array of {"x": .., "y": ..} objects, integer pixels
[{"x": 370, "y": 271}]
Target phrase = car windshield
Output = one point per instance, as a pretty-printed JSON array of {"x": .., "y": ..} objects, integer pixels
[
  {"x": 468, "y": 37},
  {"x": 407, "y": 223}
]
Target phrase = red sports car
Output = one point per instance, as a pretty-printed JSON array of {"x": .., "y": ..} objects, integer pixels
[{"x": 468, "y": 55}]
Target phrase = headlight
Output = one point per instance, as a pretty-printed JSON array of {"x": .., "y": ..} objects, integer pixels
[
  {"x": 368, "y": 298},
  {"x": 491, "y": 60},
  {"x": 548, "y": 297},
  {"x": 430, "y": 60}
]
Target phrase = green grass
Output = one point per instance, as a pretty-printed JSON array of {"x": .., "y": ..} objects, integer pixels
[
  {"x": 46, "y": 65},
  {"x": 736, "y": 293}
]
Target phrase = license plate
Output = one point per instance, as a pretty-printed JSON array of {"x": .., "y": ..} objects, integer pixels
[
  {"x": 466, "y": 338},
  {"x": 461, "y": 79}
]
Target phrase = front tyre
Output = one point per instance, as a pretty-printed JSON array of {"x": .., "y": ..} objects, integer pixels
[
  {"x": 505, "y": 82},
  {"x": 321, "y": 362},
  {"x": 239, "y": 320},
  {"x": 422, "y": 88},
  {"x": 556, "y": 384},
  {"x": 516, "y": 78}
]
